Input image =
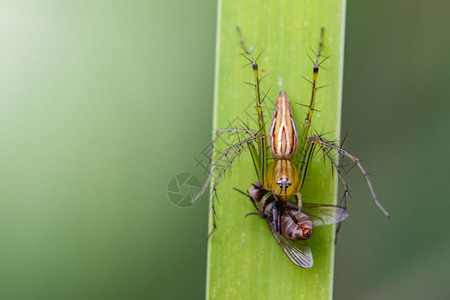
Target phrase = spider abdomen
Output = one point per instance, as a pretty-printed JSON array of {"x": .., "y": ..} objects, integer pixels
[{"x": 283, "y": 131}]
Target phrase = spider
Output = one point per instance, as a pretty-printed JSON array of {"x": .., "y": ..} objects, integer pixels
[{"x": 281, "y": 157}]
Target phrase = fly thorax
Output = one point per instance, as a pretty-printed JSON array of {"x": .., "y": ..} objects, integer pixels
[{"x": 268, "y": 209}]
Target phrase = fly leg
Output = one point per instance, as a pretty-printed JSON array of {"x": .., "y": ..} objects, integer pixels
[
  {"x": 276, "y": 219},
  {"x": 292, "y": 206}
]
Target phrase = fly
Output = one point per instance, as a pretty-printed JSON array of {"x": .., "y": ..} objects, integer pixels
[{"x": 292, "y": 226}]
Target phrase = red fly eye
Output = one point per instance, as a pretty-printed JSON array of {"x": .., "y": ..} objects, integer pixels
[{"x": 307, "y": 233}]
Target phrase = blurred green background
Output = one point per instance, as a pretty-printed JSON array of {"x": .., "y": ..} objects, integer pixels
[{"x": 101, "y": 104}]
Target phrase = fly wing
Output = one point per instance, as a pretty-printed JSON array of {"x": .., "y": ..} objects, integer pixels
[
  {"x": 298, "y": 252},
  {"x": 325, "y": 214}
]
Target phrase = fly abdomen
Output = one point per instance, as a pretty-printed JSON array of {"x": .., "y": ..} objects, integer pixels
[{"x": 296, "y": 225}]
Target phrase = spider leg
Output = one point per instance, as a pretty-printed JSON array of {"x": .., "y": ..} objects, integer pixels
[
  {"x": 235, "y": 149},
  {"x": 341, "y": 177},
  {"x": 262, "y": 140},
  {"x": 256, "y": 157},
  {"x": 213, "y": 211},
  {"x": 240, "y": 132},
  {"x": 344, "y": 185},
  {"x": 236, "y": 130},
  {"x": 323, "y": 144},
  {"x": 305, "y": 163},
  {"x": 299, "y": 201},
  {"x": 258, "y": 153},
  {"x": 307, "y": 123}
]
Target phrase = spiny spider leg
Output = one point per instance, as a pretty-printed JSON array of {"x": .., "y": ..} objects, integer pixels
[
  {"x": 344, "y": 185},
  {"x": 330, "y": 145},
  {"x": 236, "y": 130},
  {"x": 262, "y": 155},
  {"x": 257, "y": 159},
  {"x": 307, "y": 123},
  {"x": 237, "y": 148},
  {"x": 341, "y": 177},
  {"x": 334, "y": 164},
  {"x": 259, "y": 154},
  {"x": 213, "y": 210},
  {"x": 305, "y": 163}
]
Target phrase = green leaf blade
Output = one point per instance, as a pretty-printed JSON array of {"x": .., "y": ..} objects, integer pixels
[{"x": 244, "y": 260}]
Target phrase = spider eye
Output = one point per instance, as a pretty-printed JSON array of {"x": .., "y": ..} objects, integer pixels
[{"x": 284, "y": 183}]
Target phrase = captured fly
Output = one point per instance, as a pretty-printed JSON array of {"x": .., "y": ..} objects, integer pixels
[{"x": 292, "y": 226}]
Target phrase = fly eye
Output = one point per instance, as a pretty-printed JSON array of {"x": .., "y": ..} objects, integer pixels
[{"x": 307, "y": 233}]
